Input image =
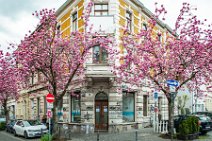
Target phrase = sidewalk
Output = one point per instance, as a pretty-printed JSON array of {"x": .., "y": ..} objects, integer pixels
[{"x": 145, "y": 134}]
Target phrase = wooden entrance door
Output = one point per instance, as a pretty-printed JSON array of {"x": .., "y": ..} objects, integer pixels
[{"x": 101, "y": 115}]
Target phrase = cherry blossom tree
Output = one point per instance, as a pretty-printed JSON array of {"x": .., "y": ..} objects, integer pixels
[
  {"x": 8, "y": 81},
  {"x": 60, "y": 60},
  {"x": 184, "y": 55}
]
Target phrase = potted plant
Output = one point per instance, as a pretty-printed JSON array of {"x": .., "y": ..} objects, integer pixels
[{"x": 189, "y": 129}]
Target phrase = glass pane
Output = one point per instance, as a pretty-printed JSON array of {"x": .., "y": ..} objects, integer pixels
[
  {"x": 128, "y": 107},
  {"x": 144, "y": 27},
  {"x": 104, "y": 56},
  {"x": 128, "y": 15},
  {"x": 105, "y": 7},
  {"x": 75, "y": 108},
  {"x": 105, "y": 13},
  {"x": 74, "y": 26},
  {"x": 105, "y": 114},
  {"x": 74, "y": 16},
  {"x": 97, "y": 114},
  {"x": 97, "y": 13},
  {"x": 129, "y": 25},
  {"x": 97, "y": 7},
  {"x": 96, "y": 53},
  {"x": 144, "y": 105}
]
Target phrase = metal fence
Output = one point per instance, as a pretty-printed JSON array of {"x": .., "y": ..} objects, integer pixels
[{"x": 146, "y": 134}]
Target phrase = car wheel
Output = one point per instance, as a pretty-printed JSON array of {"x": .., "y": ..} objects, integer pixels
[
  {"x": 25, "y": 135},
  {"x": 204, "y": 132},
  {"x": 14, "y": 133}
]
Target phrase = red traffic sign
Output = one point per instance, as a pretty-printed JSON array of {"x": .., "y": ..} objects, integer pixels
[
  {"x": 50, "y": 98},
  {"x": 49, "y": 113}
]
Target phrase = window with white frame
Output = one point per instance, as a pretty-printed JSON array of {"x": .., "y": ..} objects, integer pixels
[
  {"x": 74, "y": 21},
  {"x": 99, "y": 54},
  {"x": 128, "y": 110},
  {"x": 129, "y": 20},
  {"x": 101, "y": 9},
  {"x": 75, "y": 107}
]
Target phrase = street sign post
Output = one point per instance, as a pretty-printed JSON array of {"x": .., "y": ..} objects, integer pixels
[
  {"x": 50, "y": 100},
  {"x": 49, "y": 105},
  {"x": 172, "y": 84}
]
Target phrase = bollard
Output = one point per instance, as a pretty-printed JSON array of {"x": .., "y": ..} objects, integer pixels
[
  {"x": 41, "y": 132},
  {"x": 98, "y": 135},
  {"x": 69, "y": 132},
  {"x": 59, "y": 130},
  {"x": 136, "y": 135}
]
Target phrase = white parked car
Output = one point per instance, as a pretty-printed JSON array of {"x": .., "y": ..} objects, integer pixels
[{"x": 29, "y": 128}]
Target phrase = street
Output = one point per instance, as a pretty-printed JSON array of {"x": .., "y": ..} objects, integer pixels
[
  {"x": 126, "y": 136},
  {"x": 5, "y": 136}
]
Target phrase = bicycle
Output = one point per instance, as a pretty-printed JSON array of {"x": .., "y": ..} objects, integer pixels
[{"x": 114, "y": 128}]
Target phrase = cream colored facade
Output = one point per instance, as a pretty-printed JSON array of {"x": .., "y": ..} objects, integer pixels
[
  {"x": 208, "y": 103},
  {"x": 99, "y": 104}
]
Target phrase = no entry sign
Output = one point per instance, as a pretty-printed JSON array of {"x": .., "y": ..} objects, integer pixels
[{"x": 50, "y": 98}]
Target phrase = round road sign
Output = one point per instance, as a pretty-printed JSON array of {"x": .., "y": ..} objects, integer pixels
[{"x": 50, "y": 98}]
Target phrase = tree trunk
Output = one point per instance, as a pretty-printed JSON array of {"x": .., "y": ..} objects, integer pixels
[
  {"x": 54, "y": 117},
  {"x": 171, "y": 117},
  {"x": 6, "y": 112}
]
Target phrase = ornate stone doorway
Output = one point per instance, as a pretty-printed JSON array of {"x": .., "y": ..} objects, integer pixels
[{"x": 101, "y": 112}]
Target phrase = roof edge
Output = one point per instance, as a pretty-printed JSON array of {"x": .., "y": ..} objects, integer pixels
[{"x": 61, "y": 8}]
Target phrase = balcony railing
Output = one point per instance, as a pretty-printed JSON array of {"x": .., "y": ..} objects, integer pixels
[
  {"x": 102, "y": 24},
  {"x": 98, "y": 70}
]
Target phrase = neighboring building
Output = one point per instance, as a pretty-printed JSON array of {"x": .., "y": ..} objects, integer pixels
[
  {"x": 97, "y": 101},
  {"x": 11, "y": 105},
  {"x": 1, "y": 111},
  {"x": 208, "y": 101}
]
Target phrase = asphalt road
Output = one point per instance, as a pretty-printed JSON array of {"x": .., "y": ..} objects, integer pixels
[{"x": 4, "y": 136}]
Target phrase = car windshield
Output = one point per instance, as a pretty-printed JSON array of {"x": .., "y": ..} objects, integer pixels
[
  {"x": 34, "y": 122},
  {"x": 31, "y": 123},
  {"x": 204, "y": 118}
]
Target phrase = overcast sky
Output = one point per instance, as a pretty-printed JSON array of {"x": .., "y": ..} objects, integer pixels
[{"x": 16, "y": 15}]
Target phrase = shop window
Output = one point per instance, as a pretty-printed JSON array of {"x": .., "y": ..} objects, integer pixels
[
  {"x": 100, "y": 9},
  {"x": 75, "y": 107},
  {"x": 128, "y": 107},
  {"x": 99, "y": 54},
  {"x": 145, "y": 105},
  {"x": 74, "y": 22}
]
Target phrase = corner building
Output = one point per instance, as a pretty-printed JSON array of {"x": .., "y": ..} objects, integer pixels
[{"x": 96, "y": 102}]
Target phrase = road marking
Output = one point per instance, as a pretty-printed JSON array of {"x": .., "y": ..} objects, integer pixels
[{"x": 16, "y": 138}]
